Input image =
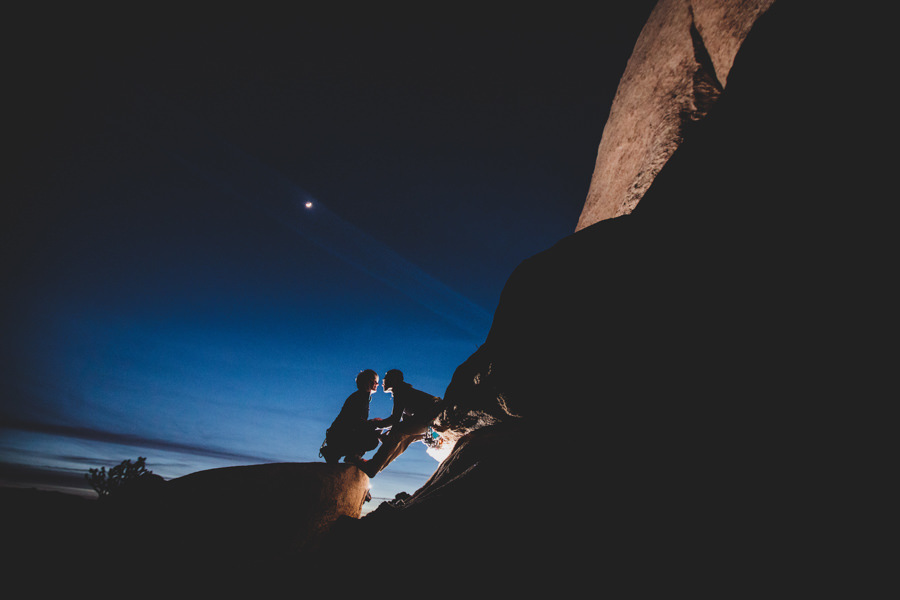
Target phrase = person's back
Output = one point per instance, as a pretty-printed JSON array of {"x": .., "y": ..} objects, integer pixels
[
  {"x": 416, "y": 403},
  {"x": 354, "y": 411}
]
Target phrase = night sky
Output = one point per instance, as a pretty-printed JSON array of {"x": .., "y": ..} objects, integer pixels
[{"x": 167, "y": 292}]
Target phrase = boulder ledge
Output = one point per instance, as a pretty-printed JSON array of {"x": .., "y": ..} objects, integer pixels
[
  {"x": 256, "y": 516},
  {"x": 290, "y": 504}
]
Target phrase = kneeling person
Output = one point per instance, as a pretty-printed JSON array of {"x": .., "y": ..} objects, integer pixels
[{"x": 352, "y": 434}]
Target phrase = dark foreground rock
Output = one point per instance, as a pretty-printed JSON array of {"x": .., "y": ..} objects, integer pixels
[
  {"x": 662, "y": 399},
  {"x": 252, "y": 527},
  {"x": 260, "y": 510},
  {"x": 247, "y": 517}
]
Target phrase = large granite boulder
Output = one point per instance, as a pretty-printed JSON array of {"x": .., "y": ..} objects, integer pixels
[
  {"x": 679, "y": 67},
  {"x": 286, "y": 505},
  {"x": 244, "y": 519},
  {"x": 247, "y": 530},
  {"x": 654, "y": 406}
]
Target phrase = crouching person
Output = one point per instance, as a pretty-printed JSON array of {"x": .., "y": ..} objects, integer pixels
[{"x": 352, "y": 434}]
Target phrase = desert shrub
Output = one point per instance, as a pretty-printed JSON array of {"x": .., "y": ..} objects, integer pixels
[{"x": 107, "y": 483}]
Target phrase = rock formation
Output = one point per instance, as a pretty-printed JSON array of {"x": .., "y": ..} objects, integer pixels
[
  {"x": 678, "y": 68},
  {"x": 652, "y": 406},
  {"x": 247, "y": 519},
  {"x": 235, "y": 531},
  {"x": 281, "y": 506}
]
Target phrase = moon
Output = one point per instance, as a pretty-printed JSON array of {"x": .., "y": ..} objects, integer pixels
[{"x": 308, "y": 205}]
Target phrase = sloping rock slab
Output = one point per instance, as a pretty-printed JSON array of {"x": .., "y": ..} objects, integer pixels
[
  {"x": 247, "y": 516},
  {"x": 678, "y": 69},
  {"x": 293, "y": 501}
]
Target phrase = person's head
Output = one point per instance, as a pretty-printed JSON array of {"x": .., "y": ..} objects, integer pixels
[
  {"x": 392, "y": 378},
  {"x": 367, "y": 381}
]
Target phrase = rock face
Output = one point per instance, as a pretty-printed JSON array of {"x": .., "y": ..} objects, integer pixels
[
  {"x": 223, "y": 532},
  {"x": 679, "y": 66},
  {"x": 249, "y": 518},
  {"x": 655, "y": 405},
  {"x": 281, "y": 506}
]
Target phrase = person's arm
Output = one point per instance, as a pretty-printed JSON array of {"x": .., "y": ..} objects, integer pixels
[{"x": 395, "y": 415}]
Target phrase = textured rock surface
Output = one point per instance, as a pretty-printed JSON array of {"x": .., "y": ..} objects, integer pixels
[{"x": 678, "y": 68}]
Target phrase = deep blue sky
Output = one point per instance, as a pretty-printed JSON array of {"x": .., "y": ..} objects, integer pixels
[{"x": 167, "y": 293}]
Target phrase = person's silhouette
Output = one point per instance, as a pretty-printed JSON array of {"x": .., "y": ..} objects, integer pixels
[
  {"x": 413, "y": 413},
  {"x": 352, "y": 434}
]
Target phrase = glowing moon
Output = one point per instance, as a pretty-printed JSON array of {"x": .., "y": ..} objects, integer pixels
[{"x": 308, "y": 205}]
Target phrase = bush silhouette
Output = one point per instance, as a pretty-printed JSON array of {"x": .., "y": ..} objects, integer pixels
[{"x": 107, "y": 483}]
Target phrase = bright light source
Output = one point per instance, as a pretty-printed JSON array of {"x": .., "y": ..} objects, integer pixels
[{"x": 309, "y": 205}]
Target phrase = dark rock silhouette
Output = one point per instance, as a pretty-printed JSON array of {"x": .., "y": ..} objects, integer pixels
[
  {"x": 250, "y": 516},
  {"x": 652, "y": 407},
  {"x": 229, "y": 530},
  {"x": 43, "y": 529},
  {"x": 291, "y": 502}
]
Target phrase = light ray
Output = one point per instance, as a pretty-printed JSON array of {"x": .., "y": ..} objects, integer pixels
[{"x": 235, "y": 172}]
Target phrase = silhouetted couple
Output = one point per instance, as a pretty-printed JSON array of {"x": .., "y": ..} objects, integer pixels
[{"x": 352, "y": 433}]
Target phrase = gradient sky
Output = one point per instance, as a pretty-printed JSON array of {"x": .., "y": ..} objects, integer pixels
[{"x": 168, "y": 294}]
